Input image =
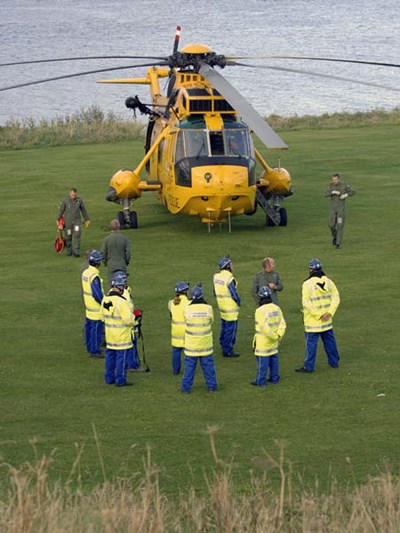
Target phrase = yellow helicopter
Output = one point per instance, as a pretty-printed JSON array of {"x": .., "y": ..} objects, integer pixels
[{"x": 199, "y": 152}]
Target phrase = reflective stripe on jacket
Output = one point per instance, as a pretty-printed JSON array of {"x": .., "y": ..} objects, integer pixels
[
  {"x": 198, "y": 333},
  {"x": 93, "y": 308},
  {"x": 270, "y": 327},
  {"x": 178, "y": 321},
  {"x": 118, "y": 321},
  {"x": 319, "y": 296},
  {"x": 228, "y": 308}
]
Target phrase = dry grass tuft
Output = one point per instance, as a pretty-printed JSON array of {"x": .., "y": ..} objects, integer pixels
[{"x": 136, "y": 504}]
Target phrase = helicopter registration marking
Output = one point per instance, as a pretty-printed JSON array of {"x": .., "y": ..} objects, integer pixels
[{"x": 173, "y": 201}]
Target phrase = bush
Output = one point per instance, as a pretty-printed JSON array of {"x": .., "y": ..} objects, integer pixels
[{"x": 89, "y": 126}]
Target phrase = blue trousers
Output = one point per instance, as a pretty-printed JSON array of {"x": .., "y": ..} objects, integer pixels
[
  {"x": 176, "y": 359},
  {"x": 94, "y": 331},
  {"x": 208, "y": 368},
  {"x": 263, "y": 364},
  {"x": 116, "y": 366},
  {"x": 227, "y": 336},
  {"x": 329, "y": 342},
  {"x": 132, "y": 359}
]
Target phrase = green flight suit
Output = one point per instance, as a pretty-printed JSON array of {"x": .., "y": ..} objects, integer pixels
[
  {"x": 337, "y": 209},
  {"x": 72, "y": 209},
  {"x": 116, "y": 252},
  {"x": 261, "y": 279}
]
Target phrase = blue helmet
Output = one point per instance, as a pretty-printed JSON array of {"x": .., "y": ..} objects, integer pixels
[
  {"x": 197, "y": 292},
  {"x": 120, "y": 273},
  {"x": 95, "y": 257},
  {"x": 224, "y": 262},
  {"x": 315, "y": 264},
  {"x": 264, "y": 292},
  {"x": 119, "y": 279},
  {"x": 181, "y": 287}
]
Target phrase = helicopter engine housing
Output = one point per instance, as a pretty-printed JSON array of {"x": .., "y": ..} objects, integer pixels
[
  {"x": 124, "y": 184},
  {"x": 279, "y": 181}
]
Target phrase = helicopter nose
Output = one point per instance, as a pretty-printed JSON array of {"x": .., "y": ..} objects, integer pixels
[{"x": 111, "y": 194}]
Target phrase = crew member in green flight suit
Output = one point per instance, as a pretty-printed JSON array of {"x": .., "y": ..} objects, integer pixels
[
  {"x": 338, "y": 193},
  {"x": 71, "y": 208}
]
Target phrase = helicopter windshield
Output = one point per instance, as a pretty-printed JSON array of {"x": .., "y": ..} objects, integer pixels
[
  {"x": 202, "y": 142},
  {"x": 196, "y": 147},
  {"x": 237, "y": 142}
]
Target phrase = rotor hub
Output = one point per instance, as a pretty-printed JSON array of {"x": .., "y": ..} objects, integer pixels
[{"x": 194, "y": 57}]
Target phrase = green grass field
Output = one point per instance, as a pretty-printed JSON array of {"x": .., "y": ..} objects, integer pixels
[{"x": 332, "y": 423}]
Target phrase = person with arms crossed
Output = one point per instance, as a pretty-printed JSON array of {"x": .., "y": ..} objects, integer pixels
[{"x": 320, "y": 300}]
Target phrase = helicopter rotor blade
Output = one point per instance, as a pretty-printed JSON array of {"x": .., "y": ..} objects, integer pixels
[
  {"x": 54, "y": 60},
  {"x": 76, "y": 74},
  {"x": 265, "y": 133},
  {"x": 320, "y": 75},
  {"x": 310, "y": 58}
]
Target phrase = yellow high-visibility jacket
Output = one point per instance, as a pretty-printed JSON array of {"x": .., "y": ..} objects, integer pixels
[
  {"x": 270, "y": 328},
  {"x": 93, "y": 308},
  {"x": 127, "y": 294},
  {"x": 118, "y": 321},
  {"x": 319, "y": 296},
  {"x": 227, "y": 306},
  {"x": 178, "y": 321},
  {"x": 198, "y": 333}
]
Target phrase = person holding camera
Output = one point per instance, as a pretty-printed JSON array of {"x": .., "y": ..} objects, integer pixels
[{"x": 119, "y": 321}]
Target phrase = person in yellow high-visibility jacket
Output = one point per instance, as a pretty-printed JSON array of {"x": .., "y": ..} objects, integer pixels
[
  {"x": 228, "y": 300},
  {"x": 92, "y": 290},
  {"x": 198, "y": 341},
  {"x": 320, "y": 299},
  {"x": 118, "y": 320},
  {"x": 270, "y": 328},
  {"x": 133, "y": 359},
  {"x": 176, "y": 308}
]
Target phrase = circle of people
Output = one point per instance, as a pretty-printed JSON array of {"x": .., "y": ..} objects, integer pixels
[{"x": 192, "y": 318}]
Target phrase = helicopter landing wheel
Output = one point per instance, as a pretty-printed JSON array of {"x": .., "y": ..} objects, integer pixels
[
  {"x": 131, "y": 224},
  {"x": 134, "y": 219},
  {"x": 283, "y": 213},
  {"x": 121, "y": 219}
]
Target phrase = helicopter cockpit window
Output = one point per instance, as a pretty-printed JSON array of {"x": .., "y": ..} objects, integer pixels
[
  {"x": 180, "y": 147},
  {"x": 237, "y": 142},
  {"x": 195, "y": 143}
]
